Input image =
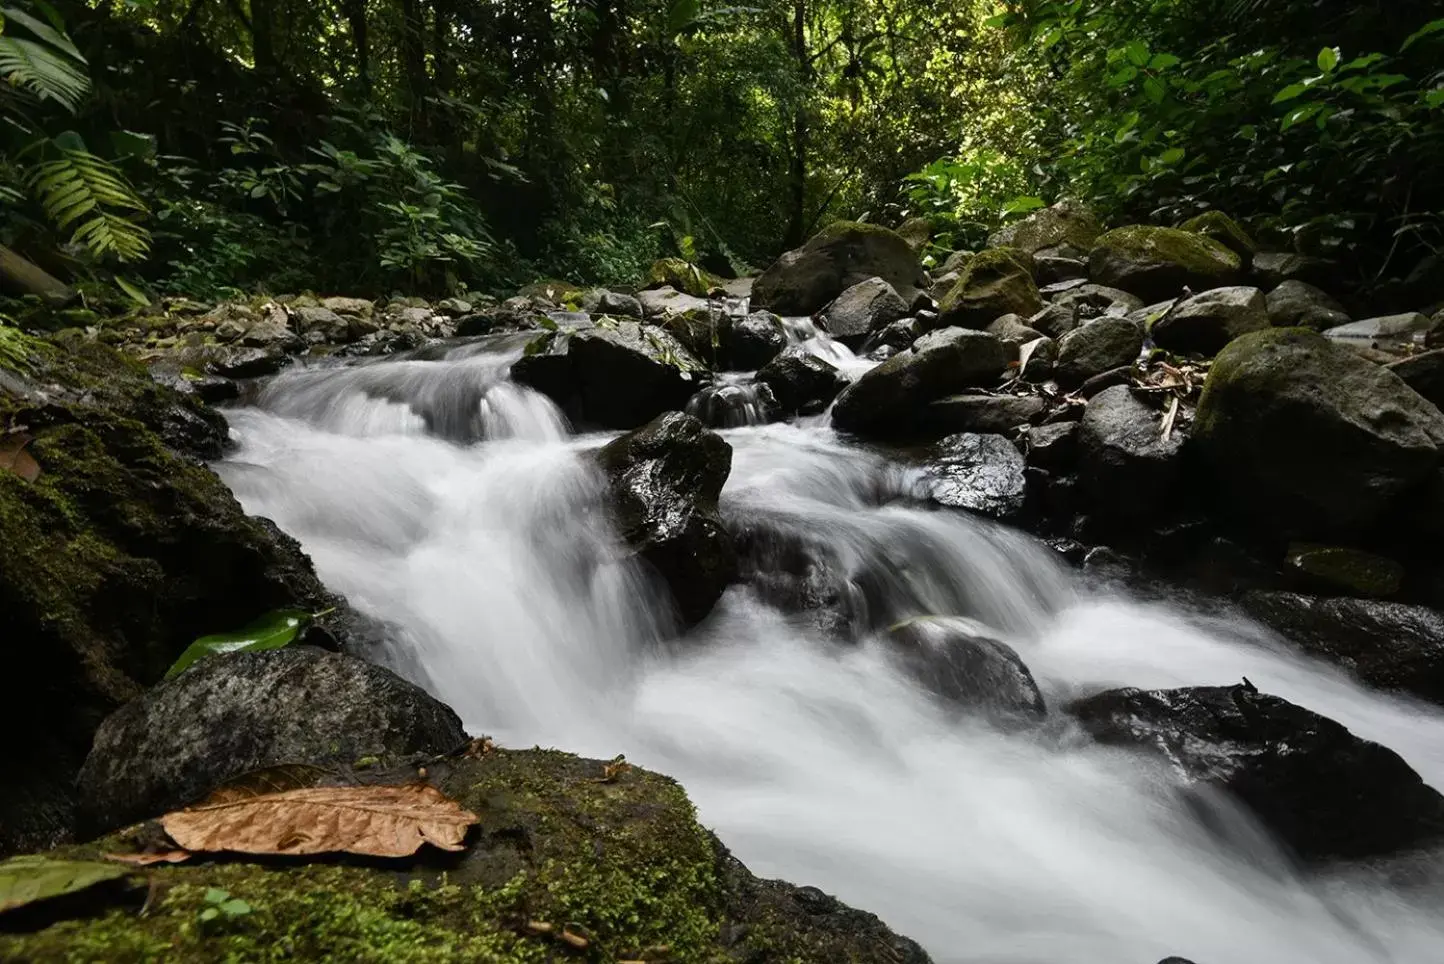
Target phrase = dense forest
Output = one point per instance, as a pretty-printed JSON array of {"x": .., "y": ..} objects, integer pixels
[{"x": 433, "y": 146}]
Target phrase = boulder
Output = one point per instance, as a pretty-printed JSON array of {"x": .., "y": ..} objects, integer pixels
[
  {"x": 1158, "y": 263},
  {"x": 1101, "y": 345},
  {"x": 1271, "y": 269},
  {"x": 997, "y": 282},
  {"x": 733, "y": 404},
  {"x": 665, "y": 479},
  {"x": 615, "y": 377},
  {"x": 600, "y": 301},
  {"x": 1092, "y": 300},
  {"x": 1052, "y": 448},
  {"x": 1013, "y": 332},
  {"x": 917, "y": 232},
  {"x": 1309, "y": 437},
  {"x": 1344, "y": 569},
  {"x": 124, "y": 550},
  {"x": 349, "y": 306},
  {"x": 866, "y": 307},
  {"x": 842, "y": 254},
  {"x": 751, "y": 342},
  {"x": 985, "y": 414},
  {"x": 500, "y": 320},
  {"x": 1204, "y": 323},
  {"x": 329, "y": 324},
  {"x": 1036, "y": 360},
  {"x": 890, "y": 398},
  {"x": 980, "y": 473},
  {"x": 897, "y": 336},
  {"x": 956, "y": 262},
  {"x": 1390, "y": 333},
  {"x": 1225, "y": 230},
  {"x": 1054, "y": 321},
  {"x": 658, "y": 302},
  {"x": 681, "y": 275},
  {"x": 1424, "y": 373},
  {"x": 231, "y": 715},
  {"x": 1067, "y": 225},
  {"x": 1125, "y": 466},
  {"x": 1049, "y": 269},
  {"x": 1323, "y": 791},
  {"x": 1298, "y": 304},
  {"x": 955, "y": 660},
  {"x": 1388, "y": 645},
  {"x": 801, "y": 382}
]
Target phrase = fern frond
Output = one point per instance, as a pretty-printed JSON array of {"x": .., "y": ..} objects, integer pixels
[
  {"x": 83, "y": 190},
  {"x": 42, "y": 71}
]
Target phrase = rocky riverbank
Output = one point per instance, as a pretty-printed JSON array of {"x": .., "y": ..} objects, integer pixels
[{"x": 1167, "y": 406}]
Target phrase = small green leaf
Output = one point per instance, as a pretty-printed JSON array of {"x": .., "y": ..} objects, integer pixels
[
  {"x": 1435, "y": 98},
  {"x": 215, "y": 895},
  {"x": 272, "y": 631},
  {"x": 25, "y": 880},
  {"x": 1291, "y": 92},
  {"x": 1163, "y": 62},
  {"x": 1137, "y": 53},
  {"x": 1154, "y": 89},
  {"x": 132, "y": 291},
  {"x": 1171, "y": 156},
  {"x": 235, "y": 908},
  {"x": 1328, "y": 59},
  {"x": 1430, "y": 28},
  {"x": 210, "y": 914}
]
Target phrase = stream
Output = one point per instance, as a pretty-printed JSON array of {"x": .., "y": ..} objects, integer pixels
[{"x": 458, "y": 508}]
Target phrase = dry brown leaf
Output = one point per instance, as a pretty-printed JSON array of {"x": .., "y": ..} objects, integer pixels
[
  {"x": 276, "y": 779},
  {"x": 378, "y": 821},
  {"x": 574, "y": 939},
  {"x": 14, "y": 458},
  {"x": 145, "y": 860},
  {"x": 614, "y": 769}
]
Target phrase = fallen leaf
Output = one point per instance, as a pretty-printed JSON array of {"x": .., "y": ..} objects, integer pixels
[
  {"x": 25, "y": 880},
  {"x": 614, "y": 769},
  {"x": 271, "y": 631},
  {"x": 377, "y": 821},
  {"x": 14, "y": 458},
  {"x": 145, "y": 860},
  {"x": 267, "y": 780}
]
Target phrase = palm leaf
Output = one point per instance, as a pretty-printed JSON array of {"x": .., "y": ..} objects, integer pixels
[
  {"x": 89, "y": 193},
  {"x": 42, "y": 71}
]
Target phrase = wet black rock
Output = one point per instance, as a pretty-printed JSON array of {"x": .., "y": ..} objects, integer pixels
[
  {"x": 954, "y": 659},
  {"x": 1203, "y": 323},
  {"x": 1323, "y": 791},
  {"x": 1424, "y": 373},
  {"x": 1389, "y": 645},
  {"x": 980, "y": 473},
  {"x": 1298, "y": 304},
  {"x": 891, "y": 398},
  {"x": 899, "y": 335},
  {"x": 230, "y": 715},
  {"x": 866, "y": 307},
  {"x": 614, "y": 377},
  {"x": 1125, "y": 465},
  {"x": 1097, "y": 346},
  {"x": 839, "y": 256},
  {"x": 1053, "y": 447},
  {"x": 665, "y": 479},
  {"x": 987, "y": 414},
  {"x": 801, "y": 382},
  {"x": 751, "y": 342}
]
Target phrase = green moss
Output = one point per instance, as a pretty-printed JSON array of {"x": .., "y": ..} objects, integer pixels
[
  {"x": 682, "y": 275},
  {"x": 1186, "y": 249},
  {"x": 1223, "y": 229},
  {"x": 1066, "y": 223},
  {"x": 996, "y": 282},
  {"x": 840, "y": 231}
]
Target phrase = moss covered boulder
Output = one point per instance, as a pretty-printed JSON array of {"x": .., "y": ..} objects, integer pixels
[
  {"x": 1226, "y": 231},
  {"x": 684, "y": 276},
  {"x": 1308, "y": 436},
  {"x": 1158, "y": 263},
  {"x": 997, "y": 282},
  {"x": 615, "y": 859},
  {"x": 116, "y": 556},
  {"x": 1066, "y": 227},
  {"x": 842, "y": 254}
]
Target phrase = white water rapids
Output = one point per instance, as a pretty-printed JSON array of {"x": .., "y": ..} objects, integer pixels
[{"x": 454, "y": 505}]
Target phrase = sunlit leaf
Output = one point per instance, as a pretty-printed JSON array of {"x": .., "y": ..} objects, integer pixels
[
  {"x": 272, "y": 631},
  {"x": 25, "y": 880}
]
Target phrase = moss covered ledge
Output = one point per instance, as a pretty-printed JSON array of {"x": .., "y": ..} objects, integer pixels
[{"x": 621, "y": 861}]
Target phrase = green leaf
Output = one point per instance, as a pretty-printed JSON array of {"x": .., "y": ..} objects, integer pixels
[
  {"x": 1171, "y": 156},
  {"x": 25, "y": 880},
  {"x": 132, "y": 144},
  {"x": 1435, "y": 98},
  {"x": 1163, "y": 62},
  {"x": 1291, "y": 92},
  {"x": 44, "y": 31},
  {"x": 1123, "y": 75},
  {"x": 1299, "y": 114},
  {"x": 1429, "y": 29},
  {"x": 1328, "y": 59},
  {"x": 1154, "y": 89},
  {"x": 272, "y": 631},
  {"x": 681, "y": 14},
  {"x": 215, "y": 895},
  {"x": 133, "y": 291},
  {"x": 1137, "y": 53}
]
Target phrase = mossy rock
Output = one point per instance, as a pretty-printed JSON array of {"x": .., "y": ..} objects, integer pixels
[
  {"x": 839, "y": 256},
  {"x": 1353, "y": 571},
  {"x": 1226, "y": 231},
  {"x": 917, "y": 232},
  {"x": 116, "y": 557},
  {"x": 618, "y": 859},
  {"x": 996, "y": 282},
  {"x": 553, "y": 290},
  {"x": 1158, "y": 263},
  {"x": 1066, "y": 225},
  {"x": 683, "y": 276}
]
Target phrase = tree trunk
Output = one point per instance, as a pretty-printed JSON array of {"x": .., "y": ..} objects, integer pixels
[
  {"x": 413, "y": 62},
  {"x": 797, "y": 162},
  {"x": 360, "y": 41},
  {"x": 263, "y": 38},
  {"x": 22, "y": 276}
]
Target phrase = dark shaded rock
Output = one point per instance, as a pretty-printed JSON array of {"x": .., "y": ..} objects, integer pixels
[
  {"x": 997, "y": 282},
  {"x": 1051, "y": 269},
  {"x": 1298, "y": 304},
  {"x": 1340, "y": 568},
  {"x": 1204, "y": 323},
  {"x": 751, "y": 342},
  {"x": 1389, "y": 645},
  {"x": 116, "y": 558},
  {"x": 230, "y": 715},
  {"x": 211, "y": 389},
  {"x": 1100, "y": 345},
  {"x": 1389, "y": 333},
  {"x": 890, "y": 398},
  {"x": 970, "y": 671},
  {"x": 799, "y": 572},
  {"x": 839, "y": 256},
  {"x": 234, "y": 361},
  {"x": 1271, "y": 269},
  {"x": 1054, "y": 321},
  {"x": 1037, "y": 358},
  {"x": 1013, "y": 332},
  {"x": 1307, "y": 436},
  {"x": 1225, "y": 230},
  {"x": 986, "y": 414},
  {"x": 1424, "y": 373},
  {"x": 1092, "y": 300},
  {"x": 899, "y": 335},
  {"x": 1053, "y": 447},
  {"x": 980, "y": 473},
  {"x": 801, "y": 382},
  {"x": 866, "y": 307},
  {"x": 665, "y": 480},
  {"x": 1066, "y": 223},
  {"x": 1322, "y": 790},
  {"x": 617, "y": 377},
  {"x": 1158, "y": 263},
  {"x": 1124, "y": 464},
  {"x": 499, "y": 320}
]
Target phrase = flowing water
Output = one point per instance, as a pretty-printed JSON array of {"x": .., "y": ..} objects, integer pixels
[{"x": 455, "y": 506}]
